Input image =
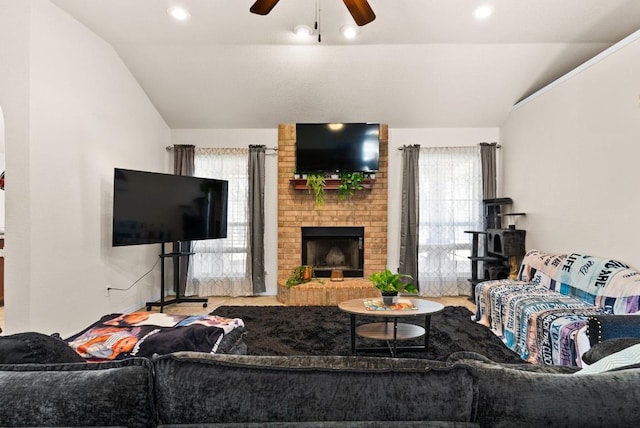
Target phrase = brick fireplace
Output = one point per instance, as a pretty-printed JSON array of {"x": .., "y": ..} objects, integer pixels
[{"x": 367, "y": 209}]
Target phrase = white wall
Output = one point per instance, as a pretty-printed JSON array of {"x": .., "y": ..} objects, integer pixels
[
  {"x": 571, "y": 160},
  {"x": 73, "y": 112},
  {"x": 15, "y": 26},
  {"x": 269, "y": 137}
]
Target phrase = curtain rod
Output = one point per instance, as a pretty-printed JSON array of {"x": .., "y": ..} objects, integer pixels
[
  {"x": 275, "y": 149},
  {"x": 498, "y": 146}
]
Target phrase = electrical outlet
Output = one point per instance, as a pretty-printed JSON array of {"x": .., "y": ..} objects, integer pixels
[{"x": 106, "y": 291}]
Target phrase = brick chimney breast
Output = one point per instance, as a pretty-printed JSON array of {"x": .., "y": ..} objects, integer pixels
[{"x": 296, "y": 208}]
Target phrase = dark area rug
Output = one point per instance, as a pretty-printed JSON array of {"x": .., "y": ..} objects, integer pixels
[{"x": 324, "y": 330}]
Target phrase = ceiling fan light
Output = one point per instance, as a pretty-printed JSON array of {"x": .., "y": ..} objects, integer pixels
[
  {"x": 302, "y": 31},
  {"x": 349, "y": 32},
  {"x": 179, "y": 13}
]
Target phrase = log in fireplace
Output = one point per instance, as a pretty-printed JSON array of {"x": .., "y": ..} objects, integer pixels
[{"x": 334, "y": 247}]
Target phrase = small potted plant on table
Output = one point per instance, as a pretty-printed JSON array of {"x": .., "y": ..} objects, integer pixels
[{"x": 390, "y": 284}]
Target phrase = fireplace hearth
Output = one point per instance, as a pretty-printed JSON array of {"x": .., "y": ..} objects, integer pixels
[{"x": 331, "y": 248}]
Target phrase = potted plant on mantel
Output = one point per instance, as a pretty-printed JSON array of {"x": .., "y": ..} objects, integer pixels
[
  {"x": 315, "y": 184},
  {"x": 349, "y": 183},
  {"x": 390, "y": 284}
]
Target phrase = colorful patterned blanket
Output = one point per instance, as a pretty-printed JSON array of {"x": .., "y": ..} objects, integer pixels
[
  {"x": 142, "y": 334},
  {"x": 540, "y": 315}
]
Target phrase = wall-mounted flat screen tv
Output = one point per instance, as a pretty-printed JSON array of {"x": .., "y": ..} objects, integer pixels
[
  {"x": 150, "y": 207},
  {"x": 342, "y": 147}
]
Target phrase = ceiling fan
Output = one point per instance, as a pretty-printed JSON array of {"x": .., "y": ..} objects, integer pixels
[{"x": 359, "y": 9}]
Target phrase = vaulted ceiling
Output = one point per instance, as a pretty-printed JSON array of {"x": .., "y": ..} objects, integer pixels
[{"x": 419, "y": 64}]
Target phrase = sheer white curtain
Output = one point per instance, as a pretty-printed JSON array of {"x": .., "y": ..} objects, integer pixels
[
  {"x": 219, "y": 266},
  {"x": 450, "y": 203}
]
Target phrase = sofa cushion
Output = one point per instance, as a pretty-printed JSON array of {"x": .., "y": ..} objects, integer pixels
[
  {"x": 340, "y": 424},
  {"x": 627, "y": 357},
  {"x": 252, "y": 389},
  {"x": 459, "y": 356},
  {"x": 38, "y": 348},
  {"x": 604, "y": 327},
  {"x": 540, "y": 268},
  {"x": 608, "y": 347},
  {"x": 608, "y": 284},
  {"x": 511, "y": 397},
  {"x": 78, "y": 394}
]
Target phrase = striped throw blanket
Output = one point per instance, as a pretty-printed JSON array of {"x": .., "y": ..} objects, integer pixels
[{"x": 541, "y": 314}]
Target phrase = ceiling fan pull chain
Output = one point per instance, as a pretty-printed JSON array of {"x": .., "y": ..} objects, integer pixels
[{"x": 318, "y": 21}]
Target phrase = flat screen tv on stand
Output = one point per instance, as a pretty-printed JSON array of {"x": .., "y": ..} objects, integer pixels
[{"x": 155, "y": 208}]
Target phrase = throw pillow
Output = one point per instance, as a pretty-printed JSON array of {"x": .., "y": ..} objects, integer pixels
[
  {"x": 36, "y": 348},
  {"x": 517, "y": 398},
  {"x": 608, "y": 347},
  {"x": 627, "y": 357},
  {"x": 109, "y": 394},
  {"x": 232, "y": 388}
]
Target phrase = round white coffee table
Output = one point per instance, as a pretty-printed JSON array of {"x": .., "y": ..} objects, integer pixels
[{"x": 390, "y": 330}]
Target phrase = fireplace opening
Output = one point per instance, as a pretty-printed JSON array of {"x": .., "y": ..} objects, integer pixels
[{"x": 329, "y": 248}]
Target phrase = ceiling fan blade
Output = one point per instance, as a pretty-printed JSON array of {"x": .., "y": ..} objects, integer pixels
[
  {"x": 361, "y": 11},
  {"x": 263, "y": 7}
]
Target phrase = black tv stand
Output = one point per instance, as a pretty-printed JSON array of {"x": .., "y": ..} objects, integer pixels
[{"x": 176, "y": 256}]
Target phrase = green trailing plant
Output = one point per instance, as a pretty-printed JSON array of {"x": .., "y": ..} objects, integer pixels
[
  {"x": 388, "y": 282},
  {"x": 315, "y": 184},
  {"x": 349, "y": 183},
  {"x": 299, "y": 275}
]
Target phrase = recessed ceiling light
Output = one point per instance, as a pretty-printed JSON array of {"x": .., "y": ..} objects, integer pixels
[
  {"x": 349, "y": 32},
  {"x": 179, "y": 13},
  {"x": 302, "y": 31},
  {"x": 483, "y": 12}
]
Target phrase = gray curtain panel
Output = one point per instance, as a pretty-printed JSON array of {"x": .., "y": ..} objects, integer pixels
[
  {"x": 488, "y": 158},
  {"x": 410, "y": 214},
  {"x": 256, "y": 218},
  {"x": 183, "y": 164}
]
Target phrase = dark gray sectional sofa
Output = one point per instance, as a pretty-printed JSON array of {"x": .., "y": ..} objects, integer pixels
[{"x": 199, "y": 390}]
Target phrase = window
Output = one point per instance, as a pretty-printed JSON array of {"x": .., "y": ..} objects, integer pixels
[
  {"x": 219, "y": 266},
  {"x": 450, "y": 203}
]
